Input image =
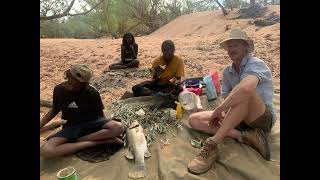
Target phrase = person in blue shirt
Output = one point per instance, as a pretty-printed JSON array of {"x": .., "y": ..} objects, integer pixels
[{"x": 246, "y": 114}]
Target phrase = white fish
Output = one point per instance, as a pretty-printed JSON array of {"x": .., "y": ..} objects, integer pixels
[{"x": 137, "y": 150}]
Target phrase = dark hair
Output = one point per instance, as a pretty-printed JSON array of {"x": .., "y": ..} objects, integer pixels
[
  {"x": 125, "y": 35},
  {"x": 168, "y": 43}
]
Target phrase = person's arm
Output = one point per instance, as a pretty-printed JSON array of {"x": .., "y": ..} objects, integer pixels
[
  {"x": 135, "y": 50},
  {"x": 48, "y": 117},
  {"x": 100, "y": 107},
  {"x": 156, "y": 72},
  {"x": 226, "y": 88},
  {"x": 176, "y": 80},
  {"x": 122, "y": 52},
  {"x": 54, "y": 110},
  {"x": 95, "y": 103},
  {"x": 156, "y": 69},
  {"x": 179, "y": 72}
]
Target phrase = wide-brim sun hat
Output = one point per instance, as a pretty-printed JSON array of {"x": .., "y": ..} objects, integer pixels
[
  {"x": 240, "y": 35},
  {"x": 81, "y": 72}
]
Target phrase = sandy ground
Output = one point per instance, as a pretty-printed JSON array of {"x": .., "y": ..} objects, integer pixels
[{"x": 196, "y": 37}]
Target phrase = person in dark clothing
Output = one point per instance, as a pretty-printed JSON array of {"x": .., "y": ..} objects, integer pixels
[
  {"x": 129, "y": 53},
  {"x": 82, "y": 108}
]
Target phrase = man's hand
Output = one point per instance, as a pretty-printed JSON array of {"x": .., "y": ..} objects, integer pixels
[
  {"x": 176, "y": 81},
  {"x": 156, "y": 72},
  {"x": 48, "y": 117},
  {"x": 216, "y": 116}
]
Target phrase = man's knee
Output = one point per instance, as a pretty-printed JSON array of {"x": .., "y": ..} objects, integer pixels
[
  {"x": 134, "y": 63},
  {"x": 111, "y": 66},
  {"x": 118, "y": 126},
  {"x": 137, "y": 89},
  {"x": 115, "y": 126},
  {"x": 47, "y": 151},
  {"x": 192, "y": 119}
]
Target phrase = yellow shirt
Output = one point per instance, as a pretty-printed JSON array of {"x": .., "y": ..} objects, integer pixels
[{"x": 174, "y": 69}]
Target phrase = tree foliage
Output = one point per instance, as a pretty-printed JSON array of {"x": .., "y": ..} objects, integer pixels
[
  {"x": 54, "y": 9},
  {"x": 97, "y": 18}
]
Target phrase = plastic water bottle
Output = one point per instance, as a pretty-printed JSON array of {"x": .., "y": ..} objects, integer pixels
[{"x": 178, "y": 110}]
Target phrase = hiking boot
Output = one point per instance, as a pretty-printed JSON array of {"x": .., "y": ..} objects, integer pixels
[
  {"x": 202, "y": 163},
  {"x": 257, "y": 139}
]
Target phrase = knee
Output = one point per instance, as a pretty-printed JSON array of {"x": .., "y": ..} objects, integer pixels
[
  {"x": 192, "y": 119},
  {"x": 136, "y": 89},
  {"x": 47, "y": 151},
  {"x": 117, "y": 127},
  {"x": 136, "y": 62},
  {"x": 111, "y": 66}
]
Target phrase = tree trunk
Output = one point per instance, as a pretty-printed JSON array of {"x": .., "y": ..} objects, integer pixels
[{"x": 222, "y": 8}]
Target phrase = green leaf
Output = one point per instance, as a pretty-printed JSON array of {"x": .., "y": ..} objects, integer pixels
[{"x": 196, "y": 144}]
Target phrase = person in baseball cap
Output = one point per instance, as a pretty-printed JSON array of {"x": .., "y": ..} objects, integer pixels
[
  {"x": 78, "y": 76},
  {"x": 82, "y": 108}
]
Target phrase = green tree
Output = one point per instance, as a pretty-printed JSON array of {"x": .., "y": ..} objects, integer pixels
[{"x": 54, "y": 9}]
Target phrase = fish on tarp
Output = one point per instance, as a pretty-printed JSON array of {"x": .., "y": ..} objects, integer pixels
[{"x": 137, "y": 150}]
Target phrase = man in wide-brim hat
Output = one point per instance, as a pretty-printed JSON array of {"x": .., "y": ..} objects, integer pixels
[{"x": 246, "y": 114}]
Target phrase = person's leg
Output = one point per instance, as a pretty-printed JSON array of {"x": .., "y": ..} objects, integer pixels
[
  {"x": 248, "y": 112},
  {"x": 110, "y": 130},
  {"x": 200, "y": 121},
  {"x": 142, "y": 89},
  {"x": 256, "y": 136},
  {"x": 133, "y": 64},
  {"x": 118, "y": 65},
  {"x": 59, "y": 146}
]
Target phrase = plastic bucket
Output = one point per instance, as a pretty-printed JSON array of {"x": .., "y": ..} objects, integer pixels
[
  {"x": 188, "y": 100},
  {"x": 68, "y": 173}
]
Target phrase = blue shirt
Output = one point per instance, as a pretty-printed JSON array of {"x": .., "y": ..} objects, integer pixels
[{"x": 251, "y": 66}]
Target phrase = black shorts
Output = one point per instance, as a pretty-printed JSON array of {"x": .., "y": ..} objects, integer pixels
[{"x": 72, "y": 133}]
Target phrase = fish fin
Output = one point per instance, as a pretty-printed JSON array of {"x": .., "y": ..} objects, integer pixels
[
  {"x": 129, "y": 154},
  {"x": 147, "y": 154},
  {"x": 137, "y": 172}
]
